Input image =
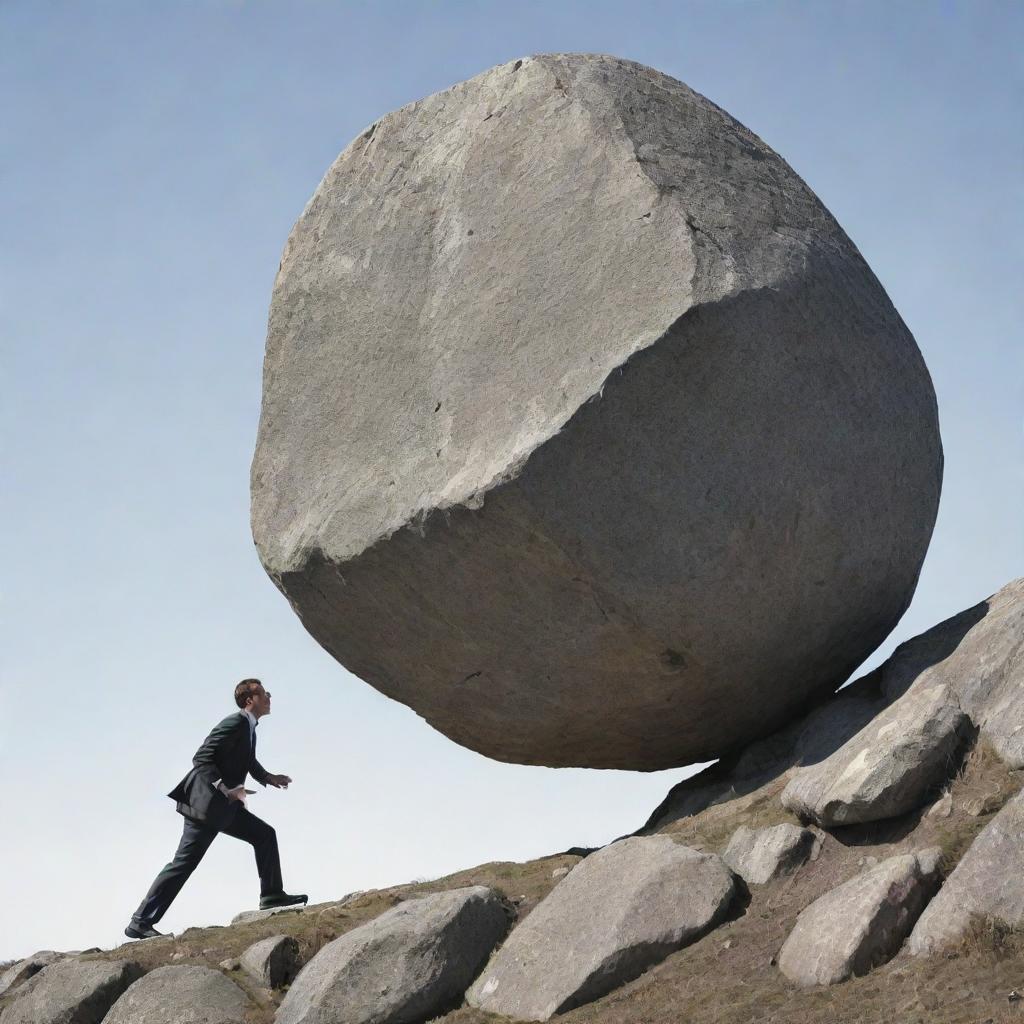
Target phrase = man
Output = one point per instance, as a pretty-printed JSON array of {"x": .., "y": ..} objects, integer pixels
[{"x": 212, "y": 799}]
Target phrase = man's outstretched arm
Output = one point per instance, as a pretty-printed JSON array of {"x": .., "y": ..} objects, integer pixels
[{"x": 265, "y": 778}]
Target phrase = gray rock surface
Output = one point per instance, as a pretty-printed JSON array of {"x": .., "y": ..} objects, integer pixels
[
  {"x": 22, "y": 970},
  {"x": 890, "y": 767},
  {"x": 805, "y": 742},
  {"x": 965, "y": 675},
  {"x": 71, "y": 991},
  {"x": 617, "y": 913},
  {"x": 181, "y": 995},
  {"x": 978, "y": 656},
  {"x": 560, "y": 365},
  {"x": 272, "y": 962},
  {"x": 247, "y": 916},
  {"x": 862, "y": 923},
  {"x": 970, "y": 664},
  {"x": 987, "y": 883},
  {"x": 407, "y": 965},
  {"x": 761, "y": 855}
]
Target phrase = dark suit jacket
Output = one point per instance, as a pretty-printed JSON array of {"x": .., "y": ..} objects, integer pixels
[{"x": 226, "y": 754}]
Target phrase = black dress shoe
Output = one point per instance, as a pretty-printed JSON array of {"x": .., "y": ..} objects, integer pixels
[
  {"x": 141, "y": 931},
  {"x": 281, "y": 899}
]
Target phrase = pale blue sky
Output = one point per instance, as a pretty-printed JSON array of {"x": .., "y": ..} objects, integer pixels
[{"x": 153, "y": 159}]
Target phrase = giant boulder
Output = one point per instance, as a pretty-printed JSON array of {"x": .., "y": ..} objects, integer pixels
[{"x": 586, "y": 431}]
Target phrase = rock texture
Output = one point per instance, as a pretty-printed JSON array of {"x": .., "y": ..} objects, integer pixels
[
  {"x": 805, "y": 742},
  {"x": 561, "y": 363},
  {"x": 247, "y": 916},
  {"x": 22, "y": 970},
  {"x": 617, "y": 913},
  {"x": 888, "y": 768},
  {"x": 862, "y": 923},
  {"x": 273, "y": 962},
  {"x": 181, "y": 995},
  {"x": 760, "y": 855},
  {"x": 71, "y": 991},
  {"x": 987, "y": 883},
  {"x": 407, "y": 965},
  {"x": 977, "y": 658},
  {"x": 963, "y": 677},
  {"x": 884, "y": 745}
]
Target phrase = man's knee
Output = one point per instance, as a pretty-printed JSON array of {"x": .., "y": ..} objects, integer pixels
[{"x": 259, "y": 832}]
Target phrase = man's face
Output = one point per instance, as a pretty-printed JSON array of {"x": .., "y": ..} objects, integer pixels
[{"x": 259, "y": 703}]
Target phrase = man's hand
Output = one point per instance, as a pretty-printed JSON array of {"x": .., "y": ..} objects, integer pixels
[
  {"x": 278, "y": 781},
  {"x": 238, "y": 793}
]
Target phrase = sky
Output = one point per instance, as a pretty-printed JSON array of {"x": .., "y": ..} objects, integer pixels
[{"x": 153, "y": 158}]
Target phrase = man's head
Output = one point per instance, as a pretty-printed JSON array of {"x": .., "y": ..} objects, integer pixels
[{"x": 250, "y": 696}]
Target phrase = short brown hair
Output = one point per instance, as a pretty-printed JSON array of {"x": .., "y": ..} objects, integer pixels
[{"x": 245, "y": 689}]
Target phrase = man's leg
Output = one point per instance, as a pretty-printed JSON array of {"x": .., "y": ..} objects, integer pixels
[
  {"x": 263, "y": 839},
  {"x": 195, "y": 841}
]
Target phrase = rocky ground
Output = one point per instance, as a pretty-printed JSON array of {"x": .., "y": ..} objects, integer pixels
[
  {"x": 730, "y": 975},
  {"x": 782, "y": 885}
]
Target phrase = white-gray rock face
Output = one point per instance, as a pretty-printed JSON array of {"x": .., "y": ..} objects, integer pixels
[
  {"x": 272, "y": 962},
  {"x": 247, "y": 916},
  {"x": 181, "y": 995},
  {"x": 617, "y": 913},
  {"x": 21, "y": 970},
  {"x": 965, "y": 675},
  {"x": 978, "y": 657},
  {"x": 410, "y": 964},
  {"x": 862, "y": 923},
  {"x": 987, "y": 883},
  {"x": 889, "y": 767},
  {"x": 71, "y": 991},
  {"x": 761, "y": 855},
  {"x": 561, "y": 363}
]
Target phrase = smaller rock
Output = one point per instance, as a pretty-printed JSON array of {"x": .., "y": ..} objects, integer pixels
[
  {"x": 1014, "y": 997},
  {"x": 987, "y": 883},
  {"x": 889, "y": 767},
  {"x": 181, "y": 995},
  {"x": 22, "y": 970},
  {"x": 179, "y": 955},
  {"x": 272, "y": 962},
  {"x": 760, "y": 855},
  {"x": 979, "y": 806},
  {"x": 560, "y": 872},
  {"x": 231, "y": 964},
  {"x": 261, "y": 915},
  {"x": 862, "y": 923},
  {"x": 408, "y": 964},
  {"x": 71, "y": 991},
  {"x": 943, "y": 807},
  {"x": 619, "y": 912}
]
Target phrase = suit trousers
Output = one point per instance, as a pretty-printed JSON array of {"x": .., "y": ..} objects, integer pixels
[{"x": 195, "y": 841}]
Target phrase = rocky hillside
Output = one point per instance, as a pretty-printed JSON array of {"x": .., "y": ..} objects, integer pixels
[{"x": 865, "y": 864}]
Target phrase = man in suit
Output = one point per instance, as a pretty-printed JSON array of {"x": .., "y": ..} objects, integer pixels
[{"x": 212, "y": 799}]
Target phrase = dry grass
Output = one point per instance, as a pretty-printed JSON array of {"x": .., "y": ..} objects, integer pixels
[
  {"x": 523, "y": 885},
  {"x": 729, "y": 976}
]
